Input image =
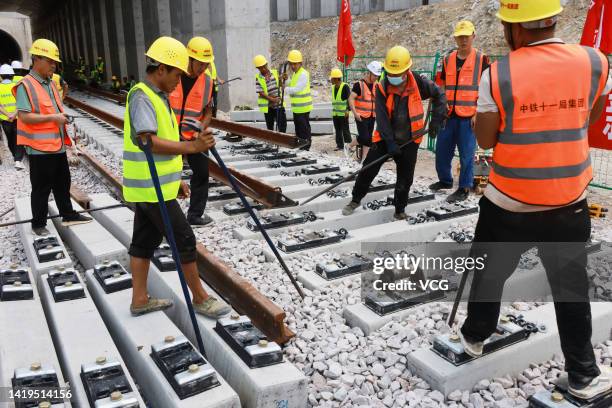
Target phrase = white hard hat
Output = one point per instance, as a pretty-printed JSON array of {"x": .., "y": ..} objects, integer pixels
[
  {"x": 6, "y": 69},
  {"x": 375, "y": 67},
  {"x": 16, "y": 65}
]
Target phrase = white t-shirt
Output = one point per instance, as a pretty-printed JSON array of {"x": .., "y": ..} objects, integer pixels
[{"x": 486, "y": 103}]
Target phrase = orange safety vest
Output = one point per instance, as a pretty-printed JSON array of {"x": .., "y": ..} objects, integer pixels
[
  {"x": 415, "y": 108},
  {"x": 545, "y": 94},
  {"x": 45, "y": 136},
  {"x": 198, "y": 98},
  {"x": 365, "y": 103},
  {"x": 462, "y": 92}
]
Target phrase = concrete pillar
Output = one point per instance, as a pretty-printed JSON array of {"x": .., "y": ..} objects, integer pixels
[
  {"x": 163, "y": 15},
  {"x": 75, "y": 28},
  {"x": 67, "y": 24},
  {"x": 273, "y": 10},
  {"x": 116, "y": 19},
  {"x": 329, "y": 8},
  {"x": 139, "y": 34},
  {"x": 181, "y": 17},
  {"x": 150, "y": 21},
  {"x": 93, "y": 37},
  {"x": 282, "y": 10},
  {"x": 304, "y": 9},
  {"x": 85, "y": 32},
  {"x": 132, "y": 29},
  {"x": 105, "y": 41},
  {"x": 246, "y": 32},
  {"x": 201, "y": 18}
]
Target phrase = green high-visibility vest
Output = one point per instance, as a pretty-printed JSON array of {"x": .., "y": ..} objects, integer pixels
[
  {"x": 211, "y": 71},
  {"x": 301, "y": 102},
  {"x": 137, "y": 183},
  {"x": 339, "y": 106},
  {"x": 17, "y": 78},
  {"x": 7, "y": 100},
  {"x": 263, "y": 102}
]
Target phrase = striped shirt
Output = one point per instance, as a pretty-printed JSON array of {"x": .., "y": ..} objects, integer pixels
[{"x": 271, "y": 85}]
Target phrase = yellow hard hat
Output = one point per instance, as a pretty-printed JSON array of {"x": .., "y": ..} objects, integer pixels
[
  {"x": 464, "y": 27},
  {"x": 335, "y": 73},
  {"x": 45, "y": 48},
  {"x": 259, "y": 61},
  {"x": 169, "y": 51},
  {"x": 294, "y": 56},
  {"x": 398, "y": 60},
  {"x": 201, "y": 49},
  {"x": 523, "y": 11}
]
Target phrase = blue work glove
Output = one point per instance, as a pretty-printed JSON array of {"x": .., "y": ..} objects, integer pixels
[{"x": 392, "y": 148}]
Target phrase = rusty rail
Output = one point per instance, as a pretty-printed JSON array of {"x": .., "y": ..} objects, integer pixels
[
  {"x": 268, "y": 195},
  {"x": 264, "y": 313},
  {"x": 244, "y": 297},
  {"x": 270, "y": 136}
]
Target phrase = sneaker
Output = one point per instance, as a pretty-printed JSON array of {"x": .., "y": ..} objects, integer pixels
[
  {"x": 19, "y": 165},
  {"x": 212, "y": 308},
  {"x": 75, "y": 219},
  {"x": 41, "y": 232},
  {"x": 460, "y": 195},
  {"x": 598, "y": 385},
  {"x": 400, "y": 216},
  {"x": 473, "y": 349},
  {"x": 199, "y": 221},
  {"x": 438, "y": 185},
  {"x": 153, "y": 305},
  {"x": 350, "y": 208}
]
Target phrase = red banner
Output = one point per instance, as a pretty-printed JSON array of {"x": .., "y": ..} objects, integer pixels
[
  {"x": 597, "y": 33},
  {"x": 346, "y": 51}
]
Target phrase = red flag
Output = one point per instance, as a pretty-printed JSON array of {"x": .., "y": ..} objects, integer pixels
[
  {"x": 346, "y": 51},
  {"x": 597, "y": 33}
]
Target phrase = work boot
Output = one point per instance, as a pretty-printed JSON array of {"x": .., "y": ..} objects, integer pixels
[
  {"x": 75, "y": 219},
  {"x": 401, "y": 216},
  {"x": 153, "y": 305},
  {"x": 598, "y": 385},
  {"x": 199, "y": 221},
  {"x": 19, "y": 165},
  {"x": 40, "y": 232},
  {"x": 438, "y": 185},
  {"x": 472, "y": 348},
  {"x": 460, "y": 195},
  {"x": 350, "y": 208},
  {"x": 212, "y": 308}
]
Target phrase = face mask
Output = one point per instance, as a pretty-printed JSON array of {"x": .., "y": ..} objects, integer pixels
[{"x": 396, "y": 80}]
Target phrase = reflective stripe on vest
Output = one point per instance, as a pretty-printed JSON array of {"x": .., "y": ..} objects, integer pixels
[
  {"x": 339, "y": 106},
  {"x": 415, "y": 108},
  {"x": 365, "y": 103},
  {"x": 197, "y": 100},
  {"x": 542, "y": 155},
  {"x": 301, "y": 102},
  {"x": 137, "y": 183},
  {"x": 462, "y": 91},
  {"x": 263, "y": 103},
  {"x": 7, "y": 100},
  {"x": 45, "y": 136}
]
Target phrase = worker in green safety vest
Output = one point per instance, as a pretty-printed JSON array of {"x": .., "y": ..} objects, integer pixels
[
  {"x": 340, "y": 93},
  {"x": 301, "y": 100},
  {"x": 267, "y": 86},
  {"x": 149, "y": 120}
]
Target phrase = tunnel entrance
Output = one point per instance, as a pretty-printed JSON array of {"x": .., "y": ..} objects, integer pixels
[{"x": 9, "y": 49}]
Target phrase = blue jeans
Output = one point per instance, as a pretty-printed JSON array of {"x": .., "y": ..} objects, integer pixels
[{"x": 458, "y": 132}]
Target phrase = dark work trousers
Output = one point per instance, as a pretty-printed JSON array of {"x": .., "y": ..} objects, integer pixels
[
  {"x": 565, "y": 269},
  {"x": 343, "y": 134},
  {"x": 302, "y": 128},
  {"x": 365, "y": 128},
  {"x": 199, "y": 184},
  {"x": 214, "y": 105},
  {"x": 10, "y": 130},
  {"x": 49, "y": 172},
  {"x": 405, "y": 163},
  {"x": 275, "y": 114}
]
